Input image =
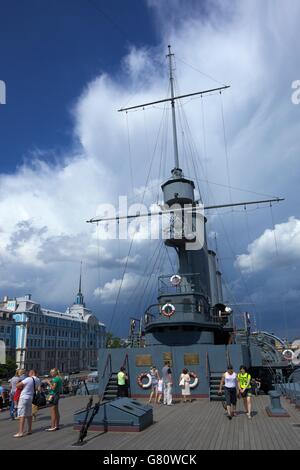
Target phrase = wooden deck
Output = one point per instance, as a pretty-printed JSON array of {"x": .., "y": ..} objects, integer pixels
[{"x": 191, "y": 426}]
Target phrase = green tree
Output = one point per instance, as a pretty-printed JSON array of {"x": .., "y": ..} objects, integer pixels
[
  {"x": 8, "y": 370},
  {"x": 113, "y": 341}
]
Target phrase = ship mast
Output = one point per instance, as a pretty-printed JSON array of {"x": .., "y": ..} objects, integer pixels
[
  {"x": 175, "y": 142},
  {"x": 177, "y": 172}
]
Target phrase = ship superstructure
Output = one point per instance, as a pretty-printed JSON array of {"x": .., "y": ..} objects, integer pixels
[{"x": 189, "y": 325}]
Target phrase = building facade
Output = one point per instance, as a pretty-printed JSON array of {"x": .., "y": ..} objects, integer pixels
[
  {"x": 7, "y": 334},
  {"x": 45, "y": 339}
]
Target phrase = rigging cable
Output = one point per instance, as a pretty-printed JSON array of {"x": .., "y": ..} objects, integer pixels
[
  {"x": 197, "y": 70},
  {"x": 251, "y": 258},
  {"x": 149, "y": 278},
  {"x": 131, "y": 242},
  {"x": 283, "y": 303},
  {"x": 121, "y": 284},
  {"x": 219, "y": 216},
  {"x": 129, "y": 154}
]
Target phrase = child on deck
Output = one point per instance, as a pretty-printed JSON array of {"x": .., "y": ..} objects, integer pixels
[{"x": 159, "y": 390}]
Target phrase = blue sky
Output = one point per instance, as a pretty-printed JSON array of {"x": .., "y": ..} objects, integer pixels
[
  {"x": 68, "y": 66},
  {"x": 49, "y": 50}
]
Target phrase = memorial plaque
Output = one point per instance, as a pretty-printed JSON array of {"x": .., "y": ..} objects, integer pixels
[
  {"x": 167, "y": 356},
  {"x": 143, "y": 360},
  {"x": 191, "y": 359}
]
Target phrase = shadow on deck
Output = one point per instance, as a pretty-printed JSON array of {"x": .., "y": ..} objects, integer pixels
[{"x": 191, "y": 426}]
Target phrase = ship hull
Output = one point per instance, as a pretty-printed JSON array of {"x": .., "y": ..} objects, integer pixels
[{"x": 204, "y": 360}]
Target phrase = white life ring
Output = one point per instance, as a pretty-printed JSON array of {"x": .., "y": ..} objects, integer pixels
[
  {"x": 288, "y": 354},
  {"x": 175, "y": 280},
  {"x": 195, "y": 381},
  {"x": 168, "y": 310},
  {"x": 142, "y": 376}
]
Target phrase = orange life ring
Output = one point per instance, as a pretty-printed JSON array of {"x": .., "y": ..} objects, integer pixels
[{"x": 144, "y": 375}]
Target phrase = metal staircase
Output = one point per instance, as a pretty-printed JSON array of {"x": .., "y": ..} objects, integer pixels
[
  {"x": 214, "y": 383},
  {"x": 111, "y": 390}
]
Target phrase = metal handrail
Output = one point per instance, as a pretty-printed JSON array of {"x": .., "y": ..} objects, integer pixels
[
  {"x": 228, "y": 359},
  {"x": 108, "y": 360},
  {"x": 126, "y": 363},
  {"x": 157, "y": 314},
  {"x": 207, "y": 365}
]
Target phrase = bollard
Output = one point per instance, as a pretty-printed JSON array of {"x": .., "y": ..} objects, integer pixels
[{"x": 275, "y": 409}]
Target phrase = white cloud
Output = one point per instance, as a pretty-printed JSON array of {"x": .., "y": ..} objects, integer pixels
[
  {"x": 275, "y": 247},
  {"x": 109, "y": 292}
]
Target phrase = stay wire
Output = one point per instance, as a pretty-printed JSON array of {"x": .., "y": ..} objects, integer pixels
[{"x": 283, "y": 303}]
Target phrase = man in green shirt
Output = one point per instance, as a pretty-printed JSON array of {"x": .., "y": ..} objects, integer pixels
[
  {"x": 244, "y": 384},
  {"x": 122, "y": 383}
]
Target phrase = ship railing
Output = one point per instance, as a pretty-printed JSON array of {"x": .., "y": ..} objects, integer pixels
[
  {"x": 228, "y": 358},
  {"x": 106, "y": 374},
  {"x": 126, "y": 366},
  {"x": 153, "y": 312},
  {"x": 187, "y": 284},
  {"x": 207, "y": 367}
]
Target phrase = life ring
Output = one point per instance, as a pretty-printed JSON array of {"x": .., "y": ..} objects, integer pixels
[
  {"x": 168, "y": 310},
  {"x": 175, "y": 280},
  {"x": 195, "y": 381},
  {"x": 142, "y": 376}
]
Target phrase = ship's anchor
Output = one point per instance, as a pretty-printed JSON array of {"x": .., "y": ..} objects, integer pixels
[{"x": 87, "y": 422}]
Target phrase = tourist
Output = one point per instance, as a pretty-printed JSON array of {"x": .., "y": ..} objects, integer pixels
[
  {"x": 2, "y": 396},
  {"x": 21, "y": 376},
  {"x": 184, "y": 383},
  {"x": 154, "y": 383},
  {"x": 13, "y": 387},
  {"x": 229, "y": 378},
  {"x": 122, "y": 382},
  {"x": 244, "y": 385},
  {"x": 167, "y": 383},
  {"x": 41, "y": 401},
  {"x": 28, "y": 388},
  {"x": 160, "y": 386},
  {"x": 54, "y": 395},
  {"x": 256, "y": 384}
]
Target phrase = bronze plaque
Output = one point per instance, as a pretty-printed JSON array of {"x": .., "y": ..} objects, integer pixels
[
  {"x": 167, "y": 356},
  {"x": 191, "y": 359},
  {"x": 143, "y": 360}
]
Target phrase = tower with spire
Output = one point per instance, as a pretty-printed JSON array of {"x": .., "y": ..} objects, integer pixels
[{"x": 79, "y": 298}]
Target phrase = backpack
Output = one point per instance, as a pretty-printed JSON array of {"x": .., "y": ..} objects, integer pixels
[{"x": 35, "y": 398}]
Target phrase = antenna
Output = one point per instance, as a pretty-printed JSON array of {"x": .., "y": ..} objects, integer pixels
[{"x": 175, "y": 143}]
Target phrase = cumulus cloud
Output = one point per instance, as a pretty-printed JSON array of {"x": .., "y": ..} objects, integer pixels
[
  {"x": 108, "y": 293},
  {"x": 280, "y": 246}
]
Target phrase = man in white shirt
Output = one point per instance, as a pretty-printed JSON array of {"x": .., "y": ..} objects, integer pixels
[{"x": 28, "y": 387}]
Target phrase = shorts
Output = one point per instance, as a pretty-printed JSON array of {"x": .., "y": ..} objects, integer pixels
[
  {"x": 25, "y": 407},
  {"x": 246, "y": 393},
  {"x": 154, "y": 386},
  {"x": 53, "y": 400},
  {"x": 230, "y": 396}
]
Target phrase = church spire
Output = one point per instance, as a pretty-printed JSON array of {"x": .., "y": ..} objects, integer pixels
[{"x": 79, "y": 297}]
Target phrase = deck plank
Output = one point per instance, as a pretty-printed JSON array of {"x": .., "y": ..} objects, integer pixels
[{"x": 191, "y": 426}]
